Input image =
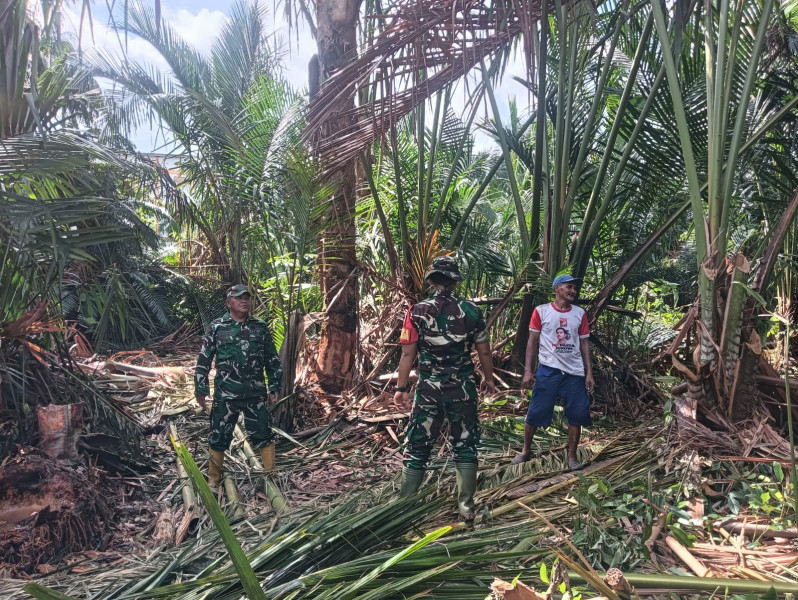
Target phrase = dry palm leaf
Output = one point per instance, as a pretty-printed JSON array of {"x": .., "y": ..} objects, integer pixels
[
  {"x": 442, "y": 38},
  {"x": 421, "y": 258}
]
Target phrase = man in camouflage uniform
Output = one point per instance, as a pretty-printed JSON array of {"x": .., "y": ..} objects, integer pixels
[
  {"x": 442, "y": 330},
  {"x": 243, "y": 347}
]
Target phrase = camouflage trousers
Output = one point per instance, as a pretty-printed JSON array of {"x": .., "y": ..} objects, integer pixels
[
  {"x": 429, "y": 410},
  {"x": 257, "y": 421}
]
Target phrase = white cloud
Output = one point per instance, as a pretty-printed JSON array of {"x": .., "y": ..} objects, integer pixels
[
  {"x": 506, "y": 90},
  {"x": 198, "y": 29},
  {"x": 100, "y": 36},
  {"x": 295, "y": 44}
]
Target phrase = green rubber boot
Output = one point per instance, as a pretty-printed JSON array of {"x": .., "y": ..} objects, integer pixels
[
  {"x": 466, "y": 488},
  {"x": 411, "y": 481}
]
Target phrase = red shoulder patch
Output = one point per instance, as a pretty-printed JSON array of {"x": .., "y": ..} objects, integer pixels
[{"x": 409, "y": 332}]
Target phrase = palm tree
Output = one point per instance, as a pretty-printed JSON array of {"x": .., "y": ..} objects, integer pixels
[
  {"x": 65, "y": 216},
  {"x": 603, "y": 122},
  {"x": 336, "y": 38},
  {"x": 214, "y": 108},
  {"x": 732, "y": 55},
  {"x": 249, "y": 186}
]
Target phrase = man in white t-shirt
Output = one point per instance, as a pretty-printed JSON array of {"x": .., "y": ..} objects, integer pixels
[{"x": 558, "y": 339}]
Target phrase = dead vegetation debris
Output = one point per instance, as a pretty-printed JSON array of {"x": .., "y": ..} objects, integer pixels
[
  {"x": 347, "y": 449},
  {"x": 48, "y": 510}
]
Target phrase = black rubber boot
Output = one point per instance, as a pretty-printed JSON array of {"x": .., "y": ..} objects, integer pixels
[
  {"x": 411, "y": 481},
  {"x": 466, "y": 488}
]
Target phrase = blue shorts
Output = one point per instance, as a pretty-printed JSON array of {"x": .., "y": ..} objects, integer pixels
[{"x": 551, "y": 383}]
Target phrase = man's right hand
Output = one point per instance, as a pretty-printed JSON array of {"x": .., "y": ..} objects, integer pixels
[
  {"x": 402, "y": 398},
  {"x": 203, "y": 402},
  {"x": 528, "y": 381}
]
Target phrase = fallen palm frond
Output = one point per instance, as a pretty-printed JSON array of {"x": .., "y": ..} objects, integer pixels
[
  {"x": 363, "y": 542},
  {"x": 317, "y": 554},
  {"x": 646, "y": 582},
  {"x": 42, "y": 593},
  {"x": 243, "y": 569}
]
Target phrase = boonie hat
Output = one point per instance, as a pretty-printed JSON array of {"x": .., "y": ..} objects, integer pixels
[
  {"x": 445, "y": 265},
  {"x": 237, "y": 290},
  {"x": 565, "y": 279}
]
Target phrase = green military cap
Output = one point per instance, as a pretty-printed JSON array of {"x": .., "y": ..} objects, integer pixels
[
  {"x": 445, "y": 265},
  {"x": 237, "y": 290}
]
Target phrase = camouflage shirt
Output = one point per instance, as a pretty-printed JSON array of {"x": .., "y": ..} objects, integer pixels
[
  {"x": 446, "y": 329},
  {"x": 242, "y": 351}
]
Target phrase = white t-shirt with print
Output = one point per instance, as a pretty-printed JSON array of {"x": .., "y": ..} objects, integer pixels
[{"x": 560, "y": 334}]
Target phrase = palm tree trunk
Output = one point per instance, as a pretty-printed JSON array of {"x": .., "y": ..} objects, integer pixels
[
  {"x": 518, "y": 358},
  {"x": 336, "y": 37},
  {"x": 236, "y": 257}
]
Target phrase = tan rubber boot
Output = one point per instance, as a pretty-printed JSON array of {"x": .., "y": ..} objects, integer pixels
[
  {"x": 267, "y": 455},
  {"x": 215, "y": 464}
]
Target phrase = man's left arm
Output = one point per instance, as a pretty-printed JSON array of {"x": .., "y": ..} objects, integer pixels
[
  {"x": 409, "y": 352},
  {"x": 584, "y": 348},
  {"x": 481, "y": 341},
  {"x": 272, "y": 365},
  {"x": 409, "y": 341},
  {"x": 486, "y": 360}
]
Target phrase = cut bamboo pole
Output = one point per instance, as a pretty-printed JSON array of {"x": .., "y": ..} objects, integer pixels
[
  {"x": 696, "y": 566},
  {"x": 269, "y": 487}
]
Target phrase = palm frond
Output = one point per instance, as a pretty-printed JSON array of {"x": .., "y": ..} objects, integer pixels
[{"x": 446, "y": 40}]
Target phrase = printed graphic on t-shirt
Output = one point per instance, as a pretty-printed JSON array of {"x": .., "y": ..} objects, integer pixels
[
  {"x": 563, "y": 343},
  {"x": 560, "y": 336}
]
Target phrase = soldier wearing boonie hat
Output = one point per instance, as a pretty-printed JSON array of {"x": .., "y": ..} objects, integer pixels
[
  {"x": 442, "y": 330},
  {"x": 558, "y": 340},
  {"x": 244, "y": 349}
]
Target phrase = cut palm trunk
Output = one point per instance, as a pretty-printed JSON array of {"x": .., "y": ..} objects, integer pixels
[
  {"x": 269, "y": 487},
  {"x": 187, "y": 491},
  {"x": 680, "y": 582},
  {"x": 732, "y": 321},
  {"x": 234, "y": 500}
]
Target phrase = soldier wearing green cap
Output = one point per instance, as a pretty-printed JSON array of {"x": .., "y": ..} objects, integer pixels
[
  {"x": 243, "y": 348},
  {"x": 441, "y": 331}
]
